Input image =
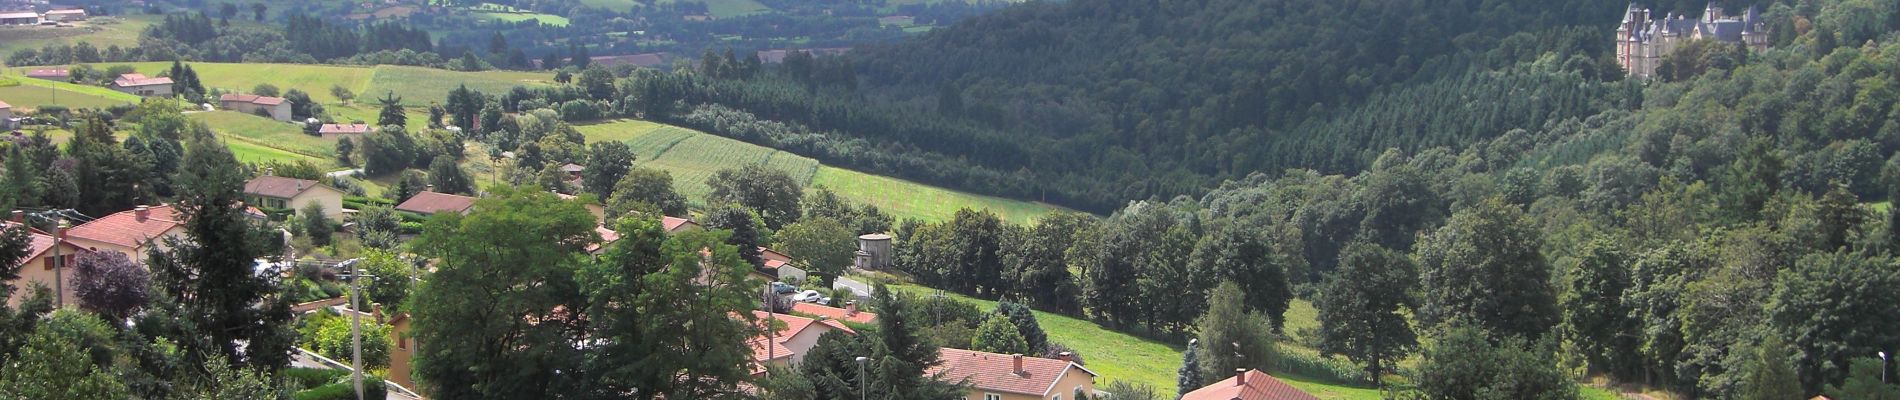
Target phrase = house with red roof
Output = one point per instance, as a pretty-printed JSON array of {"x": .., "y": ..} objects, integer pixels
[
  {"x": 275, "y": 107},
  {"x": 849, "y": 313},
  {"x": 1249, "y": 385},
  {"x": 141, "y": 85},
  {"x": 430, "y": 203},
  {"x": 790, "y": 339},
  {"x": 993, "y": 376},
  {"x": 279, "y": 192},
  {"x": 46, "y": 254},
  {"x": 133, "y": 232},
  {"x": 333, "y": 131},
  {"x": 677, "y": 225}
]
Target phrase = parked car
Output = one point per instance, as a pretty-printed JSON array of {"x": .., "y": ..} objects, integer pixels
[
  {"x": 809, "y": 296},
  {"x": 783, "y": 288}
]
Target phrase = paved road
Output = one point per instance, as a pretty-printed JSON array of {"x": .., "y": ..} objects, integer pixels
[{"x": 860, "y": 288}]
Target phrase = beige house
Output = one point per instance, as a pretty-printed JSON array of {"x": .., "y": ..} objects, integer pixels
[
  {"x": 677, "y": 225},
  {"x": 132, "y": 232},
  {"x": 6, "y": 116},
  {"x": 66, "y": 15},
  {"x": 792, "y": 337},
  {"x": 140, "y": 85},
  {"x": 993, "y": 376},
  {"x": 290, "y": 193},
  {"x": 402, "y": 356},
  {"x": 46, "y": 255},
  {"x": 429, "y": 203},
  {"x": 276, "y": 107},
  {"x": 600, "y": 212}
]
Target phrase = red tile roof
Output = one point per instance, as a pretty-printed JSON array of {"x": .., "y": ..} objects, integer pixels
[
  {"x": 251, "y": 98},
  {"x": 278, "y": 186},
  {"x": 49, "y": 73},
  {"x": 1260, "y": 386},
  {"x": 994, "y": 372},
  {"x": 432, "y": 202},
  {"x": 607, "y": 237},
  {"x": 860, "y": 317},
  {"x": 793, "y": 325},
  {"x": 124, "y": 228},
  {"x": 130, "y": 80},
  {"x": 40, "y": 241},
  {"x": 343, "y": 128},
  {"x": 675, "y": 224}
]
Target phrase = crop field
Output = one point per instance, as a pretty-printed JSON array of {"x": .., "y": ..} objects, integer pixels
[
  {"x": 23, "y": 93},
  {"x": 241, "y": 127},
  {"x": 692, "y": 156},
  {"x": 416, "y": 85},
  {"x": 732, "y": 8},
  {"x": 102, "y": 32}
]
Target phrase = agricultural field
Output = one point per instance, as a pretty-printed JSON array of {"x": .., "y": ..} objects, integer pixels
[
  {"x": 616, "y": 5},
  {"x": 102, "y": 32},
  {"x": 417, "y": 85},
  {"x": 544, "y": 19},
  {"x": 692, "y": 156},
  {"x": 28, "y": 93},
  {"x": 732, "y": 8},
  {"x": 284, "y": 136}
]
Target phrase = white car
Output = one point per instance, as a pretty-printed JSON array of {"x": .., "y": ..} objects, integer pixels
[{"x": 809, "y": 296}]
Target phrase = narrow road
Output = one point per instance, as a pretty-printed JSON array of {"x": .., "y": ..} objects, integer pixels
[{"x": 845, "y": 282}]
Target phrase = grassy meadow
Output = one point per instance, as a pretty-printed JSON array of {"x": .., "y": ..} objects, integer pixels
[
  {"x": 283, "y": 136},
  {"x": 28, "y": 93},
  {"x": 692, "y": 156},
  {"x": 417, "y": 85},
  {"x": 102, "y": 32}
]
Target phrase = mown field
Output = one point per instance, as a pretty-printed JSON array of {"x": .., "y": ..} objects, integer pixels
[
  {"x": 27, "y": 93},
  {"x": 417, "y": 86},
  {"x": 100, "y": 31},
  {"x": 242, "y": 127},
  {"x": 692, "y": 156},
  {"x": 732, "y": 8}
]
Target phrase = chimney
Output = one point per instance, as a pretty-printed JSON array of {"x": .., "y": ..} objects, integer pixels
[
  {"x": 1018, "y": 359},
  {"x": 141, "y": 212},
  {"x": 429, "y": 188},
  {"x": 376, "y": 310},
  {"x": 19, "y": 216},
  {"x": 270, "y": 171},
  {"x": 1066, "y": 356},
  {"x": 59, "y": 231},
  {"x": 850, "y": 307},
  {"x": 1240, "y": 377}
]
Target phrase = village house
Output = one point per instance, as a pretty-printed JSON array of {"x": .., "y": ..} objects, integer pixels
[
  {"x": 279, "y": 192},
  {"x": 993, "y": 376},
  {"x": 66, "y": 15},
  {"x": 1249, "y": 385},
  {"x": 430, "y": 203},
  {"x": 132, "y": 232},
  {"x": 677, "y": 225},
  {"x": 276, "y": 107},
  {"x": 141, "y": 85},
  {"x": 779, "y": 266},
  {"x": 848, "y": 314},
  {"x": 1643, "y": 40},
  {"x": 333, "y": 131},
  {"x": 19, "y": 18},
  {"x": 600, "y": 213},
  {"x": 788, "y": 346},
  {"x": 402, "y": 355},
  {"x": 6, "y": 117},
  {"x": 51, "y": 74},
  {"x": 47, "y": 255}
]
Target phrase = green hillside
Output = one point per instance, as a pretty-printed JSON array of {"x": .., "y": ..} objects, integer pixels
[
  {"x": 692, "y": 156},
  {"x": 23, "y": 92},
  {"x": 102, "y": 32},
  {"x": 417, "y": 85}
]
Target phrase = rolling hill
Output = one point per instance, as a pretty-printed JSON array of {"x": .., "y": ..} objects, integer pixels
[{"x": 692, "y": 156}]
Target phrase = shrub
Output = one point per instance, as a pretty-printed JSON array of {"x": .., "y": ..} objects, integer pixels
[
  {"x": 345, "y": 390},
  {"x": 308, "y": 378}
]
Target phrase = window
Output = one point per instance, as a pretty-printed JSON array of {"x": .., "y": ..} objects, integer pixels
[
  {"x": 992, "y": 396},
  {"x": 1058, "y": 397}
]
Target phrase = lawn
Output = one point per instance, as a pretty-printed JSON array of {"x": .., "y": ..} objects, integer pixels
[
  {"x": 544, "y": 19},
  {"x": 1114, "y": 355},
  {"x": 418, "y": 86},
  {"x": 253, "y": 153},
  {"x": 734, "y": 8},
  {"x": 101, "y": 32},
  {"x": 23, "y": 93},
  {"x": 692, "y": 156},
  {"x": 616, "y": 5},
  {"x": 284, "y": 136}
]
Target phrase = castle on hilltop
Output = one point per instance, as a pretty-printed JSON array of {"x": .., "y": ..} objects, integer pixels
[{"x": 1642, "y": 40}]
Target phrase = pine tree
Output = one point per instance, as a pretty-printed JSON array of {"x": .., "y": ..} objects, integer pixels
[
  {"x": 1770, "y": 374},
  {"x": 1188, "y": 377},
  {"x": 1024, "y": 320},
  {"x": 392, "y": 112}
]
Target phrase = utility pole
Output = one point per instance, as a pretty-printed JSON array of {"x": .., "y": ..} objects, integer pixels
[{"x": 356, "y": 325}]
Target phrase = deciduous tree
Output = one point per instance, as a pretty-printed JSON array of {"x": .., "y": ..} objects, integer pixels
[
  {"x": 1484, "y": 267},
  {"x": 1361, "y": 307},
  {"x": 770, "y": 192}
]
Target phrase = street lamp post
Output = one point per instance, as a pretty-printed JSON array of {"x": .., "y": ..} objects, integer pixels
[
  {"x": 1883, "y": 367},
  {"x": 864, "y": 383}
]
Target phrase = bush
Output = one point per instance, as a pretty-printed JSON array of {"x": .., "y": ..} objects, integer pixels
[
  {"x": 307, "y": 378},
  {"x": 346, "y": 390},
  {"x": 1324, "y": 369}
]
